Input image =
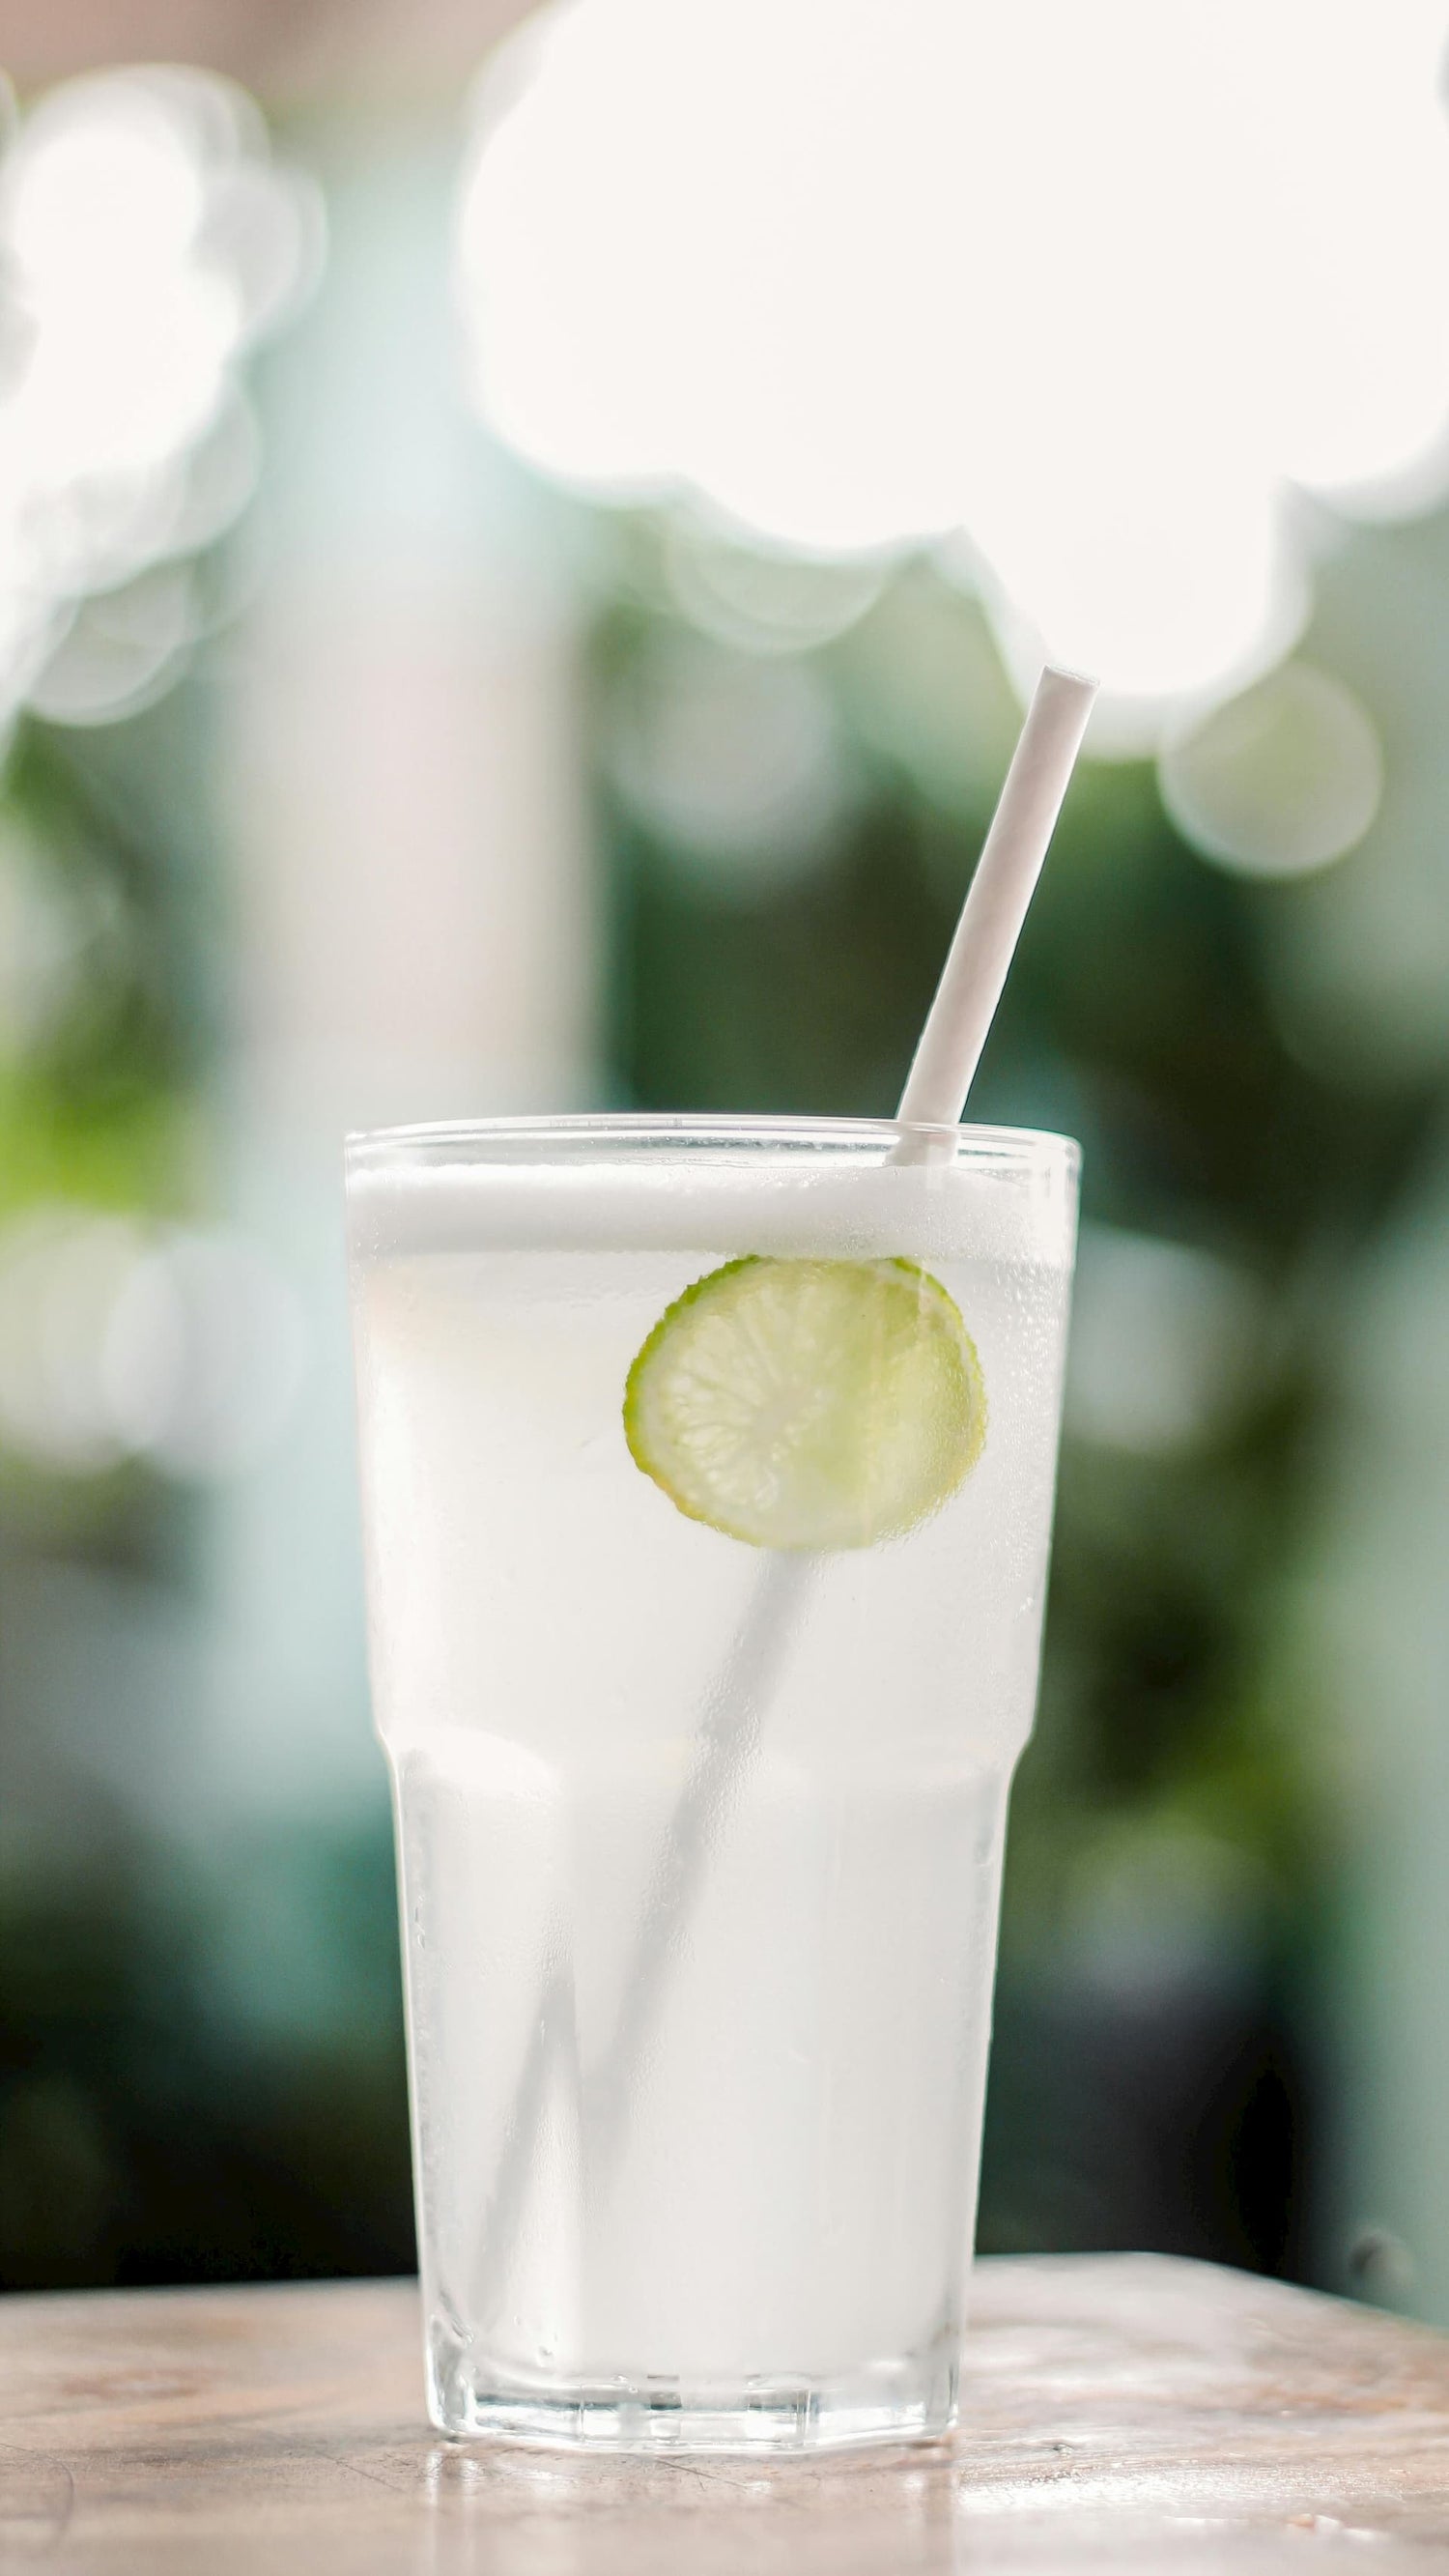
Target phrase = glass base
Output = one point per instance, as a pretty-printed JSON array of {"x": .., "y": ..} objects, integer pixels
[{"x": 909, "y": 2400}]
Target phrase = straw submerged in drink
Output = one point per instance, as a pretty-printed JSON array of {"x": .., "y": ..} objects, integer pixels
[{"x": 699, "y": 1839}]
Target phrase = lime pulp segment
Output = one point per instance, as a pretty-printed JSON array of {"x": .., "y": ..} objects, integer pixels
[{"x": 808, "y": 1404}]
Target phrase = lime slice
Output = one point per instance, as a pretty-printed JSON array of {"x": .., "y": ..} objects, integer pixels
[{"x": 808, "y": 1404}]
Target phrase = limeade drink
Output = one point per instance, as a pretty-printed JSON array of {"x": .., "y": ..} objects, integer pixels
[{"x": 707, "y": 1476}]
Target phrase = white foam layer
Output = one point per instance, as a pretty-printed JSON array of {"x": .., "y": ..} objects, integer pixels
[{"x": 1019, "y": 1208}]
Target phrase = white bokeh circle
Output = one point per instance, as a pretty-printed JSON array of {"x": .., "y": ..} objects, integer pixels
[{"x": 1082, "y": 290}]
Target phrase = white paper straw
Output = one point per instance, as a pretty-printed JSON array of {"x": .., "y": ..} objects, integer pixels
[
  {"x": 949, "y": 1049},
  {"x": 941, "y": 1074}
]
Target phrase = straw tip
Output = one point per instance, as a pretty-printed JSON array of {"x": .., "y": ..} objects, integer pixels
[{"x": 1084, "y": 682}]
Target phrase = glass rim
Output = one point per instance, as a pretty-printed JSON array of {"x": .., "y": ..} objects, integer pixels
[{"x": 433, "y": 1140}]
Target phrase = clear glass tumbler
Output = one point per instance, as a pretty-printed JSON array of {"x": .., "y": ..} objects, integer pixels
[{"x": 700, "y": 1754}]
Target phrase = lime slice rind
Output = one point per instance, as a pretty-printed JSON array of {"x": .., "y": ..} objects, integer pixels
[{"x": 807, "y": 1405}]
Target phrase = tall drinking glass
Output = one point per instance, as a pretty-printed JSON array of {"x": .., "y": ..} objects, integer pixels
[{"x": 707, "y": 1473}]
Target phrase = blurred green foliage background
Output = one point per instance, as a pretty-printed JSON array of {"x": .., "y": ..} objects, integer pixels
[{"x": 228, "y": 918}]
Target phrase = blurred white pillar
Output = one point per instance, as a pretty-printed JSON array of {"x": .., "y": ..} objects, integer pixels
[
  {"x": 1359, "y": 957},
  {"x": 415, "y": 897},
  {"x": 1379, "y": 1611},
  {"x": 414, "y": 901}
]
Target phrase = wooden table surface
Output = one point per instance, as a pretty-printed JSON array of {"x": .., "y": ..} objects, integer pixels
[{"x": 1119, "y": 2412}]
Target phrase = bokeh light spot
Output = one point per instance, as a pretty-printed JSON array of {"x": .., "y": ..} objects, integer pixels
[
  {"x": 119, "y": 1340},
  {"x": 146, "y": 240},
  {"x": 1279, "y": 781},
  {"x": 735, "y": 764},
  {"x": 1092, "y": 286},
  {"x": 1165, "y": 1344}
]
